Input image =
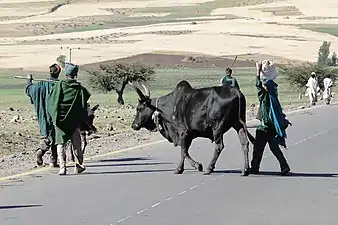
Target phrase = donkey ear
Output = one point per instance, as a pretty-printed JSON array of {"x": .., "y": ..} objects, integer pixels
[{"x": 95, "y": 107}]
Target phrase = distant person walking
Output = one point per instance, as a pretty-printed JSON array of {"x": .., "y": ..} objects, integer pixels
[
  {"x": 312, "y": 88},
  {"x": 328, "y": 83},
  {"x": 38, "y": 94},
  {"x": 67, "y": 105},
  {"x": 228, "y": 79}
]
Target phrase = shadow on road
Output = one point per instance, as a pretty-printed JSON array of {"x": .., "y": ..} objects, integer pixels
[
  {"x": 295, "y": 174},
  {"x": 227, "y": 171},
  {"x": 275, "y": 173},
  {"x": 128, "y": 164},
  {"x": 124, "y": 172},
  {"x": 129, "y": 159},
  {"x": 17, "y": 206}
]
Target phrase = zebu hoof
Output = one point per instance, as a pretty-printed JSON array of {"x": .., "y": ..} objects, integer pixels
[
  {"x": 208, "y": 172},
  {"x": 199, "y": 167},
  {"x": 245, "y": 173},
  {"x": 178, "y": 171}
]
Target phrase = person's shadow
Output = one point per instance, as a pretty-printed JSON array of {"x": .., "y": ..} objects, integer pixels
[{"x": 275, "y": 173}]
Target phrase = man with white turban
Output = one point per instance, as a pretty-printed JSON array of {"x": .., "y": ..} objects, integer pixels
[
  {"x": 312, "y": 88},
  {"x": 327, "y": 89}
]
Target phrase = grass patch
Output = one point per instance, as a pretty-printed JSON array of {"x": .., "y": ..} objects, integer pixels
[
  {"x": 86, "y": 28},
  {"x": 331, "y": 29}
]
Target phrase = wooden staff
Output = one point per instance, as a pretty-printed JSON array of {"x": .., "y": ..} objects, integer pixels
[
  {"x": 20, "y": 77},
  {"x": 233, "y": 62}
]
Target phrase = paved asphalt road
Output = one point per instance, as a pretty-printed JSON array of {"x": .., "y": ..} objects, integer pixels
[{"x": 139, "y": 187}]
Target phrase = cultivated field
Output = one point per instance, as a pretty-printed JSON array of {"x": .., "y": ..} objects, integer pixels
[{"x": 157, "y": 32}]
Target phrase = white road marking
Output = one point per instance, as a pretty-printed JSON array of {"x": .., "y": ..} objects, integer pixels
[
  {"x": 168, "y": 199},
  {"x": 305, "y": 139},
  {"x": 181, "y": 193},
  {"x": 121, "y": 220},
  {"x": 141, "y": 211},
  {"x": 192, "y": 188},
  {"x": 157, "y": 204}
]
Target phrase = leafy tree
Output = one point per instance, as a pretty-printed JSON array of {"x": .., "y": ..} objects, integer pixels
[
  {"x": 116, "y": 76},
  {"x": 61, "y": 60},
  {"x": 323, "y": 53},
  {"x": 334, "y": 59}
]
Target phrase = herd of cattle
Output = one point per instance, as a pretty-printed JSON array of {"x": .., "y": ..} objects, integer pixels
[{"x": 187, "y": 113}]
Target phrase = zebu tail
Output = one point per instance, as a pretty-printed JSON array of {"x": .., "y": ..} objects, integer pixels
[{"x": 251, "y": 138}]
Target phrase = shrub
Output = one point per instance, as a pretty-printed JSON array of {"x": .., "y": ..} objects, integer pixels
[{"x": 298, "y": 74}]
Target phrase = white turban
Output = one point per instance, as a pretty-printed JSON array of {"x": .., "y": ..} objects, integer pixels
[{"x": 269, "y": 71}]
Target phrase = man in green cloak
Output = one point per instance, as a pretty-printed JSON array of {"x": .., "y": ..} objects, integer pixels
[
  {"x": 67, "y": 105},
  {"x": 272, "y": 129},
  {"x": 38, "y": 94}
]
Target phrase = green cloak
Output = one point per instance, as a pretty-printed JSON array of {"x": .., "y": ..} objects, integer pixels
[
  {"x": 38, "y": 94},
  {"x": 264, "y": 108},
  {"x": 231, "y": 81},
  {"x": 67, "y": 105}
]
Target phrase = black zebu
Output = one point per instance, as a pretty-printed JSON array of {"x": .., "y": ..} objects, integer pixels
[{"x": 187, "y": 113}]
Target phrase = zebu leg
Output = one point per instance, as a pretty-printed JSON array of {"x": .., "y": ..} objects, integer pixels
[
  {"x": 219, "y": 146},
  {"x": 243, "y": 138},
  {"x": 180, "y": 167},
  {"x": 186, "y": 142}
]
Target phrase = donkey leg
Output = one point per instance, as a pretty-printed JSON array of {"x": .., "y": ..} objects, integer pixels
[{"x": 83, "y": 142}]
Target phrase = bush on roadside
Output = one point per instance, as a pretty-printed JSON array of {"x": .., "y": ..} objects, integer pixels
[{"x": 298, "y": 74}]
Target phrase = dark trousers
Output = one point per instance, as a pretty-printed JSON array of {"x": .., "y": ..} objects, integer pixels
[{"x": 262, "y": 138}]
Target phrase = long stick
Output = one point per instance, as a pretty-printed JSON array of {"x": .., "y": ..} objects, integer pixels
[
  {"x": 233, "y": 62},
  {"x": 19, "y": 77}
]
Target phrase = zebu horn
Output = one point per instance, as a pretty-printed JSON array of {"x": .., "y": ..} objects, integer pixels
[
  {"x": 146, "y": 90},
  {"x": 138, "y": 91}
]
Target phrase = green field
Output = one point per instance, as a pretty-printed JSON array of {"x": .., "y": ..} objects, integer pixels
[
  {"x": 12, "y": 91},
  {"x": 331, "y": 29}
]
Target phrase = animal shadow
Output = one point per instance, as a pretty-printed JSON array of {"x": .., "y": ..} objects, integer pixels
[
  {"x": 128, "y": 159},
  {"x": 126, "y": 172},
  {"x": 128, "y": 164},
  {"x": 2, "y": 207}
]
